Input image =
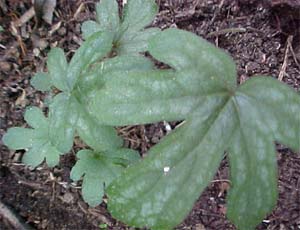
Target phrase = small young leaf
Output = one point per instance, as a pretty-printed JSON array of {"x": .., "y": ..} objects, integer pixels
[
  {"x": 57, "y": 67},
  {"x": 130, "y": 37},
  {"x": 36, "y": 140},
  {"x": 41, "y": 81},
  {"x": 98, "y": 171}
]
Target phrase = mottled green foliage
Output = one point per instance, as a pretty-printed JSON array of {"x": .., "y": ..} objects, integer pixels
[
  {"x": 65, "y": 108},
  {"x": 244, "y": 121},
  {"x": 130, "y": 37},
  {"x": 64, "y": 76},
  {"x": 106, "y": 84},
  {"x": 99, "y": 170},
  {"x": 36, "y": 140},
  {"x": 41, "y": 81},
  {"x": 166, "y": 94},
  {"x": 68, "y": 115}
]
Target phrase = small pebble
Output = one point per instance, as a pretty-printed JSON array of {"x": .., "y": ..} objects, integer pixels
[{"x": 5, "y": 66}]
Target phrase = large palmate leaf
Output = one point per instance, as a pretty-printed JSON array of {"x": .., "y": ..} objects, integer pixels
[
  {"x": 99, "y": 170},
  {"x": 130, "y": 37},
  {"x": 36, "y": 141},
  {"x": 201, "y": 88},
  {"x": 139, "y": 97}
]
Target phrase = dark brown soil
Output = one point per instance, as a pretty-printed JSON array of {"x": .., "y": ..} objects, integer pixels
[{"x": 263, "y": 39}]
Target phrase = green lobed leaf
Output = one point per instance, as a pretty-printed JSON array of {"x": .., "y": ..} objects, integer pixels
[
  {"x": 108, "y": 15},
  {"x": 130, "y": 37},
  {"x": 193, "y": 55},
  {"x": 253, "y": 175},
  {"x": 63, "y": 116},
  {"x": 245, "y": 121},
  {"x": 35, "y": 118},
  {"x": 280, "y": 107},
  {"x": 39, "y": 152},
  {"x": 94, "y": 79},
  {"x": 98, "y": 170},
  {"x": 123, "y": 156},
  {"x": 135, "y": 43},
  {"x": 138, "y": 97},
  {"x": 36, "y": 141},
  {"x": 41, "y": 81},
  {"x": 160, "y": 191},
  {"x": 19, "y": 138},
  {"x": 138, "y": 14},
  {"x": 88, "y": 28},
  {"x": 98, "y": 137},
  {"x": 57, "y": 66},
  {"x": 93, "y": 49}
]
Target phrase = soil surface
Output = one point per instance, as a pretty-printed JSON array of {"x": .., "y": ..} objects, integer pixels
[{"x": 263, "y": 38}]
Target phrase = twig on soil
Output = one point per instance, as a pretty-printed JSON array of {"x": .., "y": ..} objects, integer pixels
[
  {"x": 82, "y": 208},
  {"x": 25, "y": 17},
  {"x": 217, "y": 11},
  {"x": 14, "y": 32},
  {"x": 282, "y": 72},
  {"x": 221, "y": 180},
  {"x": 226, "y": 31},
  {"x": 294, "y": 56},
  {"x": 11, "y": 217},
  {"x": 33, "y": 185},
  {"x": 2, "y": 46},
  {"x": 55, "y": 27},
  {"x": 99, "y": 216},
  {"x": 207, "y": 213},
  {"x": 80, "y": 8}
]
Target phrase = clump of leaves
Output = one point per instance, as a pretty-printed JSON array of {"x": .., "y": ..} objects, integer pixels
[
  {"x": 108, "y": 83},
  {"x": 68, "y": 116},
  {"x": 219, "y": 116},
  {"x": 130, "y": 37}
]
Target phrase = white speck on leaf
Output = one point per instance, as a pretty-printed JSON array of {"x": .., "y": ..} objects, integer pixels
[{"x": 166, "y": 169}]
